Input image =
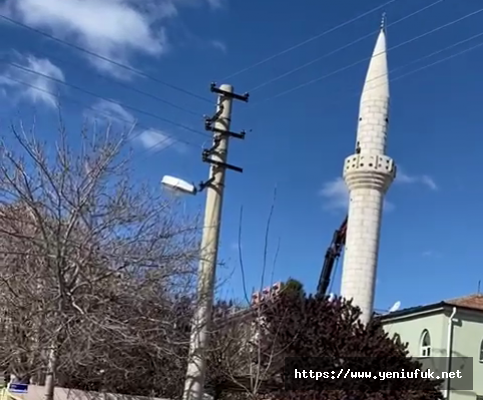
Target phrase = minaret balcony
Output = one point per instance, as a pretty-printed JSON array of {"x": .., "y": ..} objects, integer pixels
[{"x": 369, "y": 171}]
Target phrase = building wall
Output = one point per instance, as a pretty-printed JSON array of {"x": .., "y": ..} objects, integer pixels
[
  {"x": 466, "y": 341},
  {"x": 467, "y": 337},
  {"x": 38, "y": 393},
  {"x": 410, "y": 329}
]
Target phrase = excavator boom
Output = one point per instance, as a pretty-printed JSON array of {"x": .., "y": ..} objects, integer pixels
[{"x": 332, "y": 254}]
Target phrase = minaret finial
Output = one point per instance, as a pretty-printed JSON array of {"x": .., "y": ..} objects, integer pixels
[{"x": 383, "y": 21}]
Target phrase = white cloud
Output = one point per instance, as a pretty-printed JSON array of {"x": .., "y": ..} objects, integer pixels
[
  {"x": 112, "y": 28},
  {"x": 336, "y": 194},
  {"x": 388, "y": 206},
  {"x": 116, "y": 29},
  {"x": 216, "y": 3},
  {"x": 155, "y": 140},
  {"x": 151, "y": 139},
  {"x": 112, "y": 112},
  {"x": 217, "y": 44},
  {"x": 41, "y": 89},
  {"x": 425, "y": 180},
  {"x": 431, "y": 254}
]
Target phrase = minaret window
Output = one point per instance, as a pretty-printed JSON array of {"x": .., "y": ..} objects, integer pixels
[
  {"x": 481, "y": 352},
  {"x": 425, "y": 344}
]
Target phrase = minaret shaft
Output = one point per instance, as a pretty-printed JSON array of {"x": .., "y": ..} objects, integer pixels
[
  {"x": 368, "y": 175},
  {"x": 372, "y": 126},
  {"x": 362, "y": 245}
]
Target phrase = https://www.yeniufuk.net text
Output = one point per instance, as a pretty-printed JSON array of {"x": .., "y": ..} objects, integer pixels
[{"x": 380, "y": 375}]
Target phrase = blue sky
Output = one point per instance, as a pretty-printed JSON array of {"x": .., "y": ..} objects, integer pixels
[{"x": 298, "y": 140}]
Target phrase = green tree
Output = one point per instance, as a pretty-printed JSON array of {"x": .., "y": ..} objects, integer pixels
[
  {"x": 293, "y": 287},
  {"x": 327, "y": 335}
]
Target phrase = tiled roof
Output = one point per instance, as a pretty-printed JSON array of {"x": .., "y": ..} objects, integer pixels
[{"x": 474, "y": 301}]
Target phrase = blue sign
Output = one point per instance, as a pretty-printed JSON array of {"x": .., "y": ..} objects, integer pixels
[{"x": 18, "y": 388}]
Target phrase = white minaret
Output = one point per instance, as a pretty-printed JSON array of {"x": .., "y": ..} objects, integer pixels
[{"x": 368, "y": 174}]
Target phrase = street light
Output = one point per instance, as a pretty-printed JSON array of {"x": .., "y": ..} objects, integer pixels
[
  {"x": 183, "y": 187},
  {"x": 178, "y": 185}
]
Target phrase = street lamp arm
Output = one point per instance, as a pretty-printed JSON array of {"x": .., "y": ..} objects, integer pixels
[{"x": 203, "y": 185}]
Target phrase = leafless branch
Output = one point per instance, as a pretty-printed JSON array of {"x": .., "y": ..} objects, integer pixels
[{"x": 96, "y": 270}]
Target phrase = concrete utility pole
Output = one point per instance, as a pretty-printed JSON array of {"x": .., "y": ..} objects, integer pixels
[{"x": 219, "y": 124}]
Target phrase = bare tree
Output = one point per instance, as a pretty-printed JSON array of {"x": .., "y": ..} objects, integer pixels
[
  {"x": 237, "y": 367},
  {"x": 91, "y": 260}
]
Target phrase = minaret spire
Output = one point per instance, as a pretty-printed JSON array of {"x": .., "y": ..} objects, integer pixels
[
  {"x": 376, "y": 89},
  {"x": 368, "y": 174},
  {"x": 383, "y": 22}
]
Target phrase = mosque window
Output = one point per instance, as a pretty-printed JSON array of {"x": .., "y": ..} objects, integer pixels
[
  {"x": 425, "y": 344},
  {"x": 481, "y": 352}
]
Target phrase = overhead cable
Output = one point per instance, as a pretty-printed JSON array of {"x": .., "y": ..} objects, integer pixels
[
  {"x": 277, "y": 78},
  {"x": 311, "y": 39},
  {"x": 104, "y": 58},
  {"x": 59, "y": 81},
  {"x": 311, "y": 82},
  {"x": 97, "y": 111}
]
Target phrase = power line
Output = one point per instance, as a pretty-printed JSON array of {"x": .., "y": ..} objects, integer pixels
[
  {"x": 103, "y": 58},
  {"x": 438, "y": 62},
  {"x": 160, "y": 145},
  {"x": 74, "y": 101},
  {"x": 104, "y": 98},
  {"x": 123, "y": 85},
  {"x": 341, "y": 48},
  {"x": 308, "y": 40},
  {"x": 367, "y": 58},
  {"x": 429, "y": 56},
  {"x": 451, "y": 56}
]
